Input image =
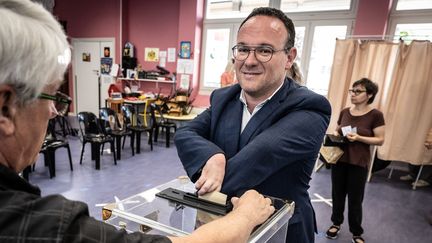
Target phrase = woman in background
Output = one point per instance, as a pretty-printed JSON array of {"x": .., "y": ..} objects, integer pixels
[
  {"x": 363, "y": 126},
  {"x": 228, "y": 77},
  {"x": 295, "y": 74}
]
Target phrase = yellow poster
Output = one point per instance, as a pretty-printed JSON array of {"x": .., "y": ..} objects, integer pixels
[{"x": 151, "y": 54}]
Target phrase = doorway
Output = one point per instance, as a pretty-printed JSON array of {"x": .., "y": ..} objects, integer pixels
[{"x": 90, "y": 85}]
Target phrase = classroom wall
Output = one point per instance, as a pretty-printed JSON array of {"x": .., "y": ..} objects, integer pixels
[
  {"x": 190, "y": 28},
  {"x": 152, "y": 24},
  {"x": 90, "y": 19},
  {"x": 164, "y": 23},
  {"x": 372, "y": 17}
]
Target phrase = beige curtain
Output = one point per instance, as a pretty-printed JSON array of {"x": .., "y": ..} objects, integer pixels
[
  {"x": 403, "y": 73},
  {"x": 407, "y": 109},
  {"x": 340, "y": 78}
]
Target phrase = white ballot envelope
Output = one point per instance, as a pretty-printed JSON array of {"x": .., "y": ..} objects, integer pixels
[{"x": 346, "y": 130}]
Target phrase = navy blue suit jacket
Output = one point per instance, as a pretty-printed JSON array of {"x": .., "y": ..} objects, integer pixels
[{"x": 275, "y": 154}]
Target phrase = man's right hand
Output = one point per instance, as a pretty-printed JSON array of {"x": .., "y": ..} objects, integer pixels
[
  {"x": 253, "y": 206},
  {"x": 212, "y": 175}
]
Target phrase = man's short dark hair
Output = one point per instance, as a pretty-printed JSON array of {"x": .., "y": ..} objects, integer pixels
[
  {"x": 273, "y": 12},
  {"x": 371, "y": 88}
]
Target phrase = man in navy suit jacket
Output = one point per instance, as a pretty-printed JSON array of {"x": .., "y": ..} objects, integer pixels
[{"x": 264, "y": 132}]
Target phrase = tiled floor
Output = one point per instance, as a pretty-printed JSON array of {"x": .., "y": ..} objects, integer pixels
[{"x": 393, "y": 212}]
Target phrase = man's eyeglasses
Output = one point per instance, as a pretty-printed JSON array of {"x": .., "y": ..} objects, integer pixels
[
  {"x": 262, "y": 53},
  {"x": 61, "y": 101},
  {"x": 356, "y": 91}
]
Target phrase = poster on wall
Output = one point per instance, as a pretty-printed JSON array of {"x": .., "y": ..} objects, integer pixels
[
  {"x": 162, "y": 58},
  {"x": 185, "y": 49},
  {"x": 128, "y": 50},
  {"x": 184, "y": 81},
  {"x": 106, "y": 64},
  {"x": 185, "y": 66},
  {"x": 107, "y": 52},
  {"x": 86, "y": 57},
  {"x": 114, "y": 70},
  {"x": 151, "y": 54},
  {"x": 171, "y": 54}
]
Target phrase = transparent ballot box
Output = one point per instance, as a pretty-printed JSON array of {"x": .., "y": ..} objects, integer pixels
[{"x": 148, "y": 213}]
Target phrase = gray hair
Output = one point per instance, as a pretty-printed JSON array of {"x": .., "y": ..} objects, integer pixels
[{"x": 34, "y": 51}]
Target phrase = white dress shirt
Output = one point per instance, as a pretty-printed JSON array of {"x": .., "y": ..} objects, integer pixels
[{"x": 246, "y": 114}]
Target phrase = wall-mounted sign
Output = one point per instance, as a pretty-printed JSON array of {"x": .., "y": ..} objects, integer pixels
[
  {"x": 128, "y": 50},
  {"x": 86, "y": 57},
  {"x": 106, "y": 63},
  {"x": 107, "y": 52},
  {"x": 151, "y": 54},
  {"x": 185, "y": 49}
]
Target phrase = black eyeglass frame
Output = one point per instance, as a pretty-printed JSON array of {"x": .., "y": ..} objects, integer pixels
[
  {"x": 61, "y": 100},
  {"x": 253, "y": 49},
  {"x": 356, "y": 91}
]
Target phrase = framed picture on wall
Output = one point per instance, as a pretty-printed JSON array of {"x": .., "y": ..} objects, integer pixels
[
  {"x": 185, "y": 49},
  {"x": 128, "y": 50},
  {"x": 86, "y": 57},
  {"x": 151, "y": 54},
  {"x": 106, "y": 64}
]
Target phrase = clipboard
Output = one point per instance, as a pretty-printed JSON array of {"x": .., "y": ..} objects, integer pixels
[{"x": 333, "y": 140}]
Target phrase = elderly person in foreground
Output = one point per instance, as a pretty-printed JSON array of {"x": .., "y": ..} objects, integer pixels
[{"x": 34, "y": 55}]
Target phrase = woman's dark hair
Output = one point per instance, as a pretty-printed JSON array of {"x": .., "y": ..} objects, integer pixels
[
  {"x": 273, "y": 12},
  {"x": 371, "y": 88}
]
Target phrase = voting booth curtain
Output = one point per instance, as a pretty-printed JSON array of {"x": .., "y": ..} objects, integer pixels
[{"x": 403, "y": 72}]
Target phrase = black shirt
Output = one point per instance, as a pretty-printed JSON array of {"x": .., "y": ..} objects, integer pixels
[{"x": 25, "y": 216}]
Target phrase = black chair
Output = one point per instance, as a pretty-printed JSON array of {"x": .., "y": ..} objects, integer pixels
[
  {"x": 63, "y": 124},
  {"x": 48, "y": 150},
  {"x": 61, "y": 121},
  {"x": 115, "y": 130},
  {"x": 137, "y": 129},
  {"x": 92, "y": 133},
  {"x": 50, "y": 145},
  {"x": 163, "y": 123},
  {"x": 52, "y": 142}
]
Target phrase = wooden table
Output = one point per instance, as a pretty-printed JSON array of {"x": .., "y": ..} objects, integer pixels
[
  {"x": 114, "y": 104},
  {"x": 187, "y": 117},
  {"x": 136, "y": 104}
]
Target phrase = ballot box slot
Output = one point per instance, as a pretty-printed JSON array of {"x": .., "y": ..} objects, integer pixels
[{"x": 192, "y": 200}]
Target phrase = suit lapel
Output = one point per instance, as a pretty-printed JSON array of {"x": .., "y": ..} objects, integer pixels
[
  {"x": 253, "y": 124},
  {"x": 262, "y": 115},
  {"x": 232, "y": 124}
]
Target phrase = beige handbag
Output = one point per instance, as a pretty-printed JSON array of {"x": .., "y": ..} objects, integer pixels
[{"x": 330, "y": 154}]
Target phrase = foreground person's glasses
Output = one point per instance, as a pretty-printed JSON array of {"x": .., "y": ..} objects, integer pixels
[
  {"x": 61, "y": 101},
  {"x": 262, "y": 53}
]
